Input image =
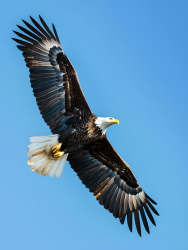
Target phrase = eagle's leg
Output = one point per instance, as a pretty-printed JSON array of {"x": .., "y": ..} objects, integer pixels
[{"x": 56, "y": 152}]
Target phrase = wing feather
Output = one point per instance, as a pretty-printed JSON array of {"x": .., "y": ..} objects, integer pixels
[
  {"x": 121, "y": 205},
  {"x": 108, "y": 195},
  {"x": 117, "y": 204},
  {"x": 152, "y": 208},
  {"x": 129, "y": 220},
  {"x": 40, "y": 28},
  {"x": 53, "y": 79},
  {"x": 137, "y": 222},
  {"x": 107, "y": 183},
  {"x": 144, "y": 219},
  {"x": 149, "y": 214},
  {"x": 100, "y": 184}
]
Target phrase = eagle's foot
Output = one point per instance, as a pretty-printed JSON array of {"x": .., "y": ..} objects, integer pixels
[
  {"x": 58, "y": 154},
  {"x": 56, "y": 148}
]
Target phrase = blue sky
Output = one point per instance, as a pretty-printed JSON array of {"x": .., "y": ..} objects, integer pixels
[{"x": 132, "y": 59}]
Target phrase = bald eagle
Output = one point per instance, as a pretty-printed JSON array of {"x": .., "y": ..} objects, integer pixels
[{"x": 78, "y": 135}]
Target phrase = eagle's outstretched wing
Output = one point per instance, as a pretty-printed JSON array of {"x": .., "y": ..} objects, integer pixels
[
  {"x": 54, "y": 80},
  {"x": 111, "y": 180}
]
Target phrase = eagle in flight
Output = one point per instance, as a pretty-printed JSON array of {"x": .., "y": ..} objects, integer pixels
[{"x": 78, "y": 135}]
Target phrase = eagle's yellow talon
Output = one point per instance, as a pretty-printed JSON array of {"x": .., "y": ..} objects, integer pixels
[
  {"x": 58, "y": 154},
  {"x": 56, "y": 148}
]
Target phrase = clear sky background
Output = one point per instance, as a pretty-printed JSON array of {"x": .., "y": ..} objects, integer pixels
[{"x": 132, "y": 62}]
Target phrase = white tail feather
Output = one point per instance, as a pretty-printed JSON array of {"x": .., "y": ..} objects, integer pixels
[
  {"x": 35, "y": 159},
  {"x": 41, "y": 159},
  {"x": 36, "y": 146},
  {"x": 54, "y": 167},
  {"x": 35, "y": 152},
  {"x": 61, "y": 167},
  {"x": 36, "y": 165},
  {"x": 42, "y": 165},
  {"x": 40, "y": 138},
  {"x": 46, "y": 169}
]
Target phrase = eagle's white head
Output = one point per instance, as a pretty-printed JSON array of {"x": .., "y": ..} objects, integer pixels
[{"x": 104, "y": 122}]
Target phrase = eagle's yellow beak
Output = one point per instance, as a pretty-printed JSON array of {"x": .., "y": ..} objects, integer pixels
[{"x": 115, "y": 121}]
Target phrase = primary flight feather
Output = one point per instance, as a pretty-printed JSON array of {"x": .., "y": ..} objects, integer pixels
[{"x": 79, "y": 136}]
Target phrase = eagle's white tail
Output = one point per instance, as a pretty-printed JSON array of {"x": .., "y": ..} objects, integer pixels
[{"x": 41, "y": 159}]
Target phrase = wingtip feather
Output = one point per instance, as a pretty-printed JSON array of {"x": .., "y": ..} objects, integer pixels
[{"x": 154, "y": 202}]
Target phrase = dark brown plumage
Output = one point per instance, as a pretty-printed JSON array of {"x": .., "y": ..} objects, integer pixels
[{"x": 79, "y": 135}]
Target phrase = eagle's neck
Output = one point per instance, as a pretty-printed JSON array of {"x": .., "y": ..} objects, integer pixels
[
  {"x": 97, "y": 126},
  {"x": 102, "y": 123},
  {"x": 93, "y": 130}
]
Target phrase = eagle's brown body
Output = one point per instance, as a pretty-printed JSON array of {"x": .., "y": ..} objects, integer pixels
[
  {"x": 82, "y": 134},
  {"x": 79, "y": 136}
]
